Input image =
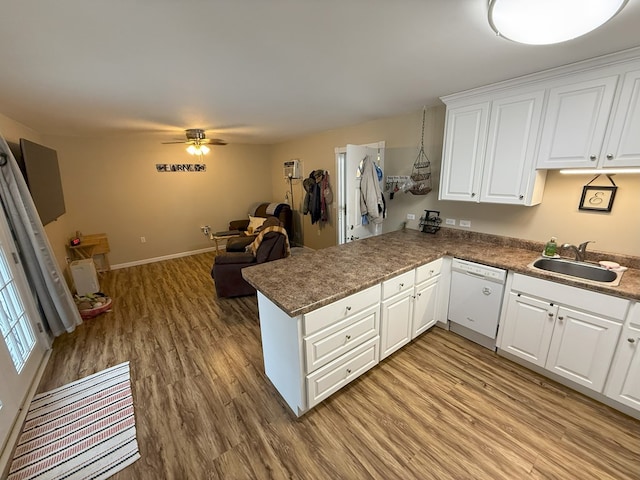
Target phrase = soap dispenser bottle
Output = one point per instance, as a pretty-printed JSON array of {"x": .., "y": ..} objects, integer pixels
[{"x": 550, "y": 248}]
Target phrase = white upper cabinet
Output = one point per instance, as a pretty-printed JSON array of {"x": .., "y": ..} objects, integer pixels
[
  {"x": 575, "y": 123},
  {"x": 489, "y": 150},
  {"x": 464, "y": 142},
  {"x": 509, "y": 175},
  {"x": 622, "y": 147},
  {"x": 594, "y": 122}
]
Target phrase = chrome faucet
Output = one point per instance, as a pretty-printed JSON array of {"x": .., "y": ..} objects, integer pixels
[{"x": 579, "y": 251}]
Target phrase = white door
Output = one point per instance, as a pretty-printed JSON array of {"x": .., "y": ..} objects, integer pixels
[
  {"x": 349, "y": 161},
  {"x": 22, "y": 349}
]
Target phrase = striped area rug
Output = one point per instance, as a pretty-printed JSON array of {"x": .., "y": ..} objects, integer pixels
[{"x": 85, "y": 429}]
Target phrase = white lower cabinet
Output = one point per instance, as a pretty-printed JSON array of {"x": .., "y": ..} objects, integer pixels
[
  {"x": 528, "y": 328},
  {"x": 623, "y": 384},
  {"x": 326, "y": 345},
  {"x": 395, "y": 331},
  {"x": 332, "y": 377},
  {"x": 582, "y": 347},
  {"x": 567, "y": 340},
  {"x": 412, "y": 311},
  {"x": 425, "y": 307}
]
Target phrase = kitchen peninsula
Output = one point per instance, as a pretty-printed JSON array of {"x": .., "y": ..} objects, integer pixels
[{"x": 320, "y": 312}]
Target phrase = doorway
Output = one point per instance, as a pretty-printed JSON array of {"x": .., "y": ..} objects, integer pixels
[
  {"x": 348, "y": 165},
  {"x": 23, "y": 344}
]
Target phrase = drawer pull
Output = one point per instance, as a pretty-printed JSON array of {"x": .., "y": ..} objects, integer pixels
[
  {"x": 561, "y": 318},
  {"x": 348, "y": 309},
  {"x": 348, "y": 371},
  {"x": 401, "y": 285},
  {"x": 550, "y": 314},
  {"x": 348, "y": 337},
  {"x": 631, "y": 340}
]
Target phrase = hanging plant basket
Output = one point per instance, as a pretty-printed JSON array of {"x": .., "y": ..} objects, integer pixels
[{"x": 421, "y": 173}]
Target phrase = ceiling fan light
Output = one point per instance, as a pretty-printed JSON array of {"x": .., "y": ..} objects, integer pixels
[
  {"x": 204, "y": 149},
  {"x": 543, "y": 22},
  {"x": 193, "y": 150}
]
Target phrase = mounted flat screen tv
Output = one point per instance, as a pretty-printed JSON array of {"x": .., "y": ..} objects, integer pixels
[{"x": 40, "y": 169}]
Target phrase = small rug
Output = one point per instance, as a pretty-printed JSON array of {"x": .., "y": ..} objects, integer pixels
[{"x": 85, "y": 429}]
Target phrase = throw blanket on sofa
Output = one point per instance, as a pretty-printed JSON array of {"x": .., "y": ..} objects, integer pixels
[{"x": 253, "y": 247}]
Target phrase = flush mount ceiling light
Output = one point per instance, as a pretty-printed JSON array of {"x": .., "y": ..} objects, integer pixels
[{"x": 542, "y": 22}]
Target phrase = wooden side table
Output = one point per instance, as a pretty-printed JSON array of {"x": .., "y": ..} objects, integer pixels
[
  {"x": 96, "y": 247},
  {"x": 217, "y": 237}
]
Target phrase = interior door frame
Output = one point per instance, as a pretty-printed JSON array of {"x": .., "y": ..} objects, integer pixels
[
  {"x": 21, "y": 385},
  {"x": 341, "y": 196}
]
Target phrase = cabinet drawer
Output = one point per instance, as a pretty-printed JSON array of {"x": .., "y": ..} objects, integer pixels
[
  {"x": 332, "y": 377},
  {"x": 331, "y": 342},
  {"x": 339, "y": 310},
  {"x": 430, "y": 270},
  {"x": 398, "y": 284}
]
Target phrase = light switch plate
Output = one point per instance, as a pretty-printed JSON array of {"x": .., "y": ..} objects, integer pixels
[
  {"x": 411, "y": 216},
  {"x": 465, "y": 223},
  {"x": 450, "y": 221}
]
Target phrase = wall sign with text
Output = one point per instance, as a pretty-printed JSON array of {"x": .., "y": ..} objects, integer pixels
[{"x": 181, "y": 167}]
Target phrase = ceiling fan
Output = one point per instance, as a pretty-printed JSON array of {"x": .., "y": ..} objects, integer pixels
[{"x": 197, "y": 141}]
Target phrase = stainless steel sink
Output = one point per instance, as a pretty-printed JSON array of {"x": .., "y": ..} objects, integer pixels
[{"x": 582, "y": 270}]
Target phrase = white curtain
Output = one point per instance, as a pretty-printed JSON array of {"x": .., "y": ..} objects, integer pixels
[{"x": 42, "y": 270}]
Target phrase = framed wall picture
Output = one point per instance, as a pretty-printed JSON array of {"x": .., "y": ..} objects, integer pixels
[{"x": 597, "y": 198}]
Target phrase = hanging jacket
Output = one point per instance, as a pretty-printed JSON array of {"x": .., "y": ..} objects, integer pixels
[
  {"x": 371, "y": 203},
  {"x": 312, "y": 199}
]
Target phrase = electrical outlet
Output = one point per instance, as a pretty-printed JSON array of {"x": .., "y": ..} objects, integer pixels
[
  {"x": 143, "y": 240},
  {"x": 411, "y": 216},
  {"x": 465, "y": 223},
  {"x": 450, "y": 221}
]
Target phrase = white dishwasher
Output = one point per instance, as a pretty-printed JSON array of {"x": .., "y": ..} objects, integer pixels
[{"x": 475, "y": 301}]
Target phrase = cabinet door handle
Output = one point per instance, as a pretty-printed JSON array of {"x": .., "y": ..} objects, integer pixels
[
  {"x": 609, "y": 156},
  {"x": 593, "y": 158},
  {"x": 348, "y": 337},
  {"x": 521, "y": 197},
  {"x": 473, "y": 194},
  {"x": 550, "y": 314},
  {"x": 631, "y": 340},
  {"x": 561, "y": 318}
]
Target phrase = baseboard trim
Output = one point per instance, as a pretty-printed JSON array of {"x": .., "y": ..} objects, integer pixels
[{"x": 162, "y": 258}]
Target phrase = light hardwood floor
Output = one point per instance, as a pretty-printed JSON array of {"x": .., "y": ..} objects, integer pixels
[{"x": 440, "y": 408}]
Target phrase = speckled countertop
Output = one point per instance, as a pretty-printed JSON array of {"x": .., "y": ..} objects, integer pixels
[{"x": 305, "y": 282}]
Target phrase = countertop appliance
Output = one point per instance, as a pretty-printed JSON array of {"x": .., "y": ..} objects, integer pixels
[{"x": 475, "y": 301}]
